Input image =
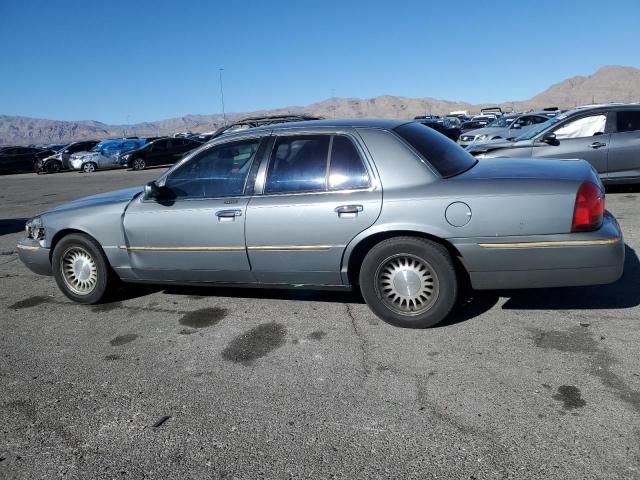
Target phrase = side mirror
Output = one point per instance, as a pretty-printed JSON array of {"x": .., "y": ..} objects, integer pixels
[
  {"x": 516, "y": 126},
  {"x": 152, "y": 191},
  {"x": 549, "y": 138}
]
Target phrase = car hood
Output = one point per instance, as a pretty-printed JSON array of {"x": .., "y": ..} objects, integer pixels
[{"x": 123, "y": 196}]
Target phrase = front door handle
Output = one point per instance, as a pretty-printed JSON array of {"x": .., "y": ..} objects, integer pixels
[
  {"x": 598, "y": 145},
  {"x": 348, "y": 211},
  {"x": 228, "y": 215}
]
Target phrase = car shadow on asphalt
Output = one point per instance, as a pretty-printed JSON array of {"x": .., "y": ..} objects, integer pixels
[
  {"x": 630, "y": 188},
  {"x": 11, "y": 225},
  {"x": 624, "y": 293}
]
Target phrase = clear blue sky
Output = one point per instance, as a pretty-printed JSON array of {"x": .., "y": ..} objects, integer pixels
[{"x": 104, "y": 60}]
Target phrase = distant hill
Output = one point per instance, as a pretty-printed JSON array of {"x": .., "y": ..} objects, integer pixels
[{"x": 608, "y": 84}]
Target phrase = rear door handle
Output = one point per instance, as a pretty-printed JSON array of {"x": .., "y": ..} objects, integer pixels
[
  {"x": 348, "y": 211},
  {"x": 228, "y": 215},
  {"x": 598, "y": 145}
]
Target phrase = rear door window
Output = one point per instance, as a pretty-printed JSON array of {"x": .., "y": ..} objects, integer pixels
[
  {"x": 628, "y": 121},
  {"x": 346, "y": 170}
]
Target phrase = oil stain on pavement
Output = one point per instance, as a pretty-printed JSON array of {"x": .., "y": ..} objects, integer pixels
[
  {"x": 255, "y": 343},
  {"x": 318, "y": 335},
  {"x": 205, "y": 317},
  {"x": 580, "y": 340},
  {"x": 123, "y": 339},
  {"x": 570, "y": 397}
]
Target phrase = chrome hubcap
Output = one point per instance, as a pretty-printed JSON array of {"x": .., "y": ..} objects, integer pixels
[
  {"x": 407, "y": 284},
  {"x": 138, "y": 164},
  {"x": 79, "y": 270},
  {"x": 89, "y": 167}
]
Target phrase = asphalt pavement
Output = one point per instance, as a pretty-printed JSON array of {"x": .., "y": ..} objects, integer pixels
[{"x": 239, "y": 383}]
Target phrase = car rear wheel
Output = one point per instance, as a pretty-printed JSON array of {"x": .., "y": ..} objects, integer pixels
[
  {"x": 89, "y": 167},
  {"x": 81, "y": 269},
  {"x": 409, "y": 282},
  {"x": 138, "y": 164}
]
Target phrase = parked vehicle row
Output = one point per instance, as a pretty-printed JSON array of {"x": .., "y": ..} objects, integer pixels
[{"x": 132, "y": 152}]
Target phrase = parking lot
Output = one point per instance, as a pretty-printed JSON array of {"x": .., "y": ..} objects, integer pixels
[{"x": 235, "y": 383}]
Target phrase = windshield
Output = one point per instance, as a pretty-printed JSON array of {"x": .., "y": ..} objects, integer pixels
[
  {"x": 100, "y": 146},
  {"x": 499, "y": 122},
  {"x": 539, "y": 128}
]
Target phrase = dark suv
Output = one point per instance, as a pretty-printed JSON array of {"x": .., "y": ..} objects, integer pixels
[
  {"x": 607, "y": 136},
  {"x": 164, "y": 151}
]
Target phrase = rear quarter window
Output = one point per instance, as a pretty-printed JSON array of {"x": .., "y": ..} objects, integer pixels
[{"x": 447, "y": 158}]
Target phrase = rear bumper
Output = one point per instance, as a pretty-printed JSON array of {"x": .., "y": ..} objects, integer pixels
[
  {"x": 34, "y": 256},
  {"x": 576, "y": 259}
]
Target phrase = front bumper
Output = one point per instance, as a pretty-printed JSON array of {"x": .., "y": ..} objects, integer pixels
[
  {"x": 576, "y": 259},
  {"x": 34, "y": 256}
]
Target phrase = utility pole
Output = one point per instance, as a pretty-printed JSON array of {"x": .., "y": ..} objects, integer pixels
[
  {"x": 126, "y": 133},
  {"x": 224, "y": 115}
]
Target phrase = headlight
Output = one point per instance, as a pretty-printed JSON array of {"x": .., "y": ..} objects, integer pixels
[
  {"x": 480, "y": 138},
  {"x": 480, "y": 156},
  {"x": 35, "y": 228}
]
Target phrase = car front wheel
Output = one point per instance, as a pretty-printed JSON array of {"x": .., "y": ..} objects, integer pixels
[
  {"x": 138, "y": 164},
  {"x": 80, "y": 268},
  {"x": 89, "y": 167},
  {"x": 409, "y": 282}
]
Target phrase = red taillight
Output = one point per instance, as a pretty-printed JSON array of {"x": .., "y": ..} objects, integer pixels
[{"x": 589, "y": 209}]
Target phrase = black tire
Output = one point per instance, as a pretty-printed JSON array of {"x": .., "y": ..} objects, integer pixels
[
  {"x": 138, "y": 164},
  {"x": 89, "y": 167},
  {"x": 53, "y": 167},
  {"x": 83, "y": 245},
  {"x": 423, "y": 268}
]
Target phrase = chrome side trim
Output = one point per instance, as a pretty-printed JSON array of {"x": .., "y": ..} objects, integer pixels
[
  {"x": 30, "y": 248},
  {"x": 184, "y": 249},
  {"x": 556, "y": 243},
  {"x": 291, "y": 248},
  {"x": 287, "y": 248}
]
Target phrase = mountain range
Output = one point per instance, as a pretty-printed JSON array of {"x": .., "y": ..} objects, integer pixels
[{"x": 608, "y": 84}]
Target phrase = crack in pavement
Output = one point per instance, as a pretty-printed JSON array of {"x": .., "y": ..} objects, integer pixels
[{"x": 364, "y": 344}]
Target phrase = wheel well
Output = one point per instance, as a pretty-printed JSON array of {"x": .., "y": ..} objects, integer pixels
[
  {"x": 361, "y": 249},
  {"x": 60, "y": 235}
]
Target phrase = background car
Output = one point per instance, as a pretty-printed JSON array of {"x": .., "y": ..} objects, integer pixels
[
  {"x": 105, "y": 154},
  {"x": 164, "y": 151},
  {"x": 60, "y": 160},
  {"x": 21, "y": 159},
  {"x": 607, "y": 136},
  {"x": 444, "y": 126},
  {"x": 507, "y": 128},
  {"x": 473, "y": 125}
]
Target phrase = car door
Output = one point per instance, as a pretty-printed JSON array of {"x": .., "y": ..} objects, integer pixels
[
  {"x": 583, "y": 137},
  {"x": 195, "y": 232},
  {"x": 624, "y": 149},
  {"x": 157, "y": 153},
  {"x": 317, "y": 192}
]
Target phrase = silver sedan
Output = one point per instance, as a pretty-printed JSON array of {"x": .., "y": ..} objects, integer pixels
[{"x": 391, "y": 208}]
